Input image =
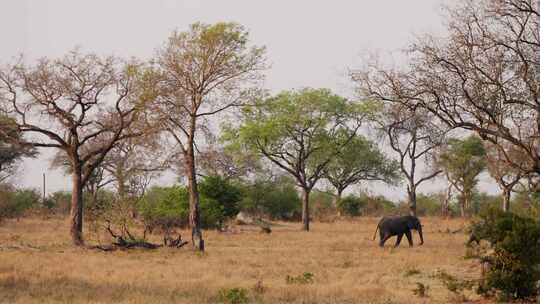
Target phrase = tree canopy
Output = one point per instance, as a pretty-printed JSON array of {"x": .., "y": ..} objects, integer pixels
[{"x": 299, "y": 131}]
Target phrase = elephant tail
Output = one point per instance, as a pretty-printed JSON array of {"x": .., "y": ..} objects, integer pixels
[{"x": 375, "y": 233}]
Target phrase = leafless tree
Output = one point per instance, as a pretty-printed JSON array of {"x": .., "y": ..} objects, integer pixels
[
  {"x": 202, "y": 72},
  {"x": 504, "y": 173},
  {"x": 81, "y": 104},
  {"x": 134, "y": 162},
  {"x": 483, "y": 77},
  {"x": 217, "y": 161},
  {"x": 413, "y": 136}
]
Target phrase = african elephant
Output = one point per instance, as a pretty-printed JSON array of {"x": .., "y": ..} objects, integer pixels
[{"x": 398, "y": 225}]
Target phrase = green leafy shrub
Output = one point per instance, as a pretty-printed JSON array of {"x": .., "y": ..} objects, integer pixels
[
  {"x": 58, "y": 202},
  {"x": 101, "y": 204},
  {"x": 351, "y": 205},
  {"x": 427, "y": 204},
  {"x": 377, "y": 205},
  {"x": 276, "y": 199},
  {"x": 233, "y": 296},
  {"x": 14, "y": 203},
  {"x": 164, "y": 207},
  {"x": 514, "y": 263},
  {"x": 305, "y": 278},
  {"x": 482, "y": 201},
  {"x": 453, "y": 284},
  {"x": 222, "y": 191},
  {"x": 321, "y": 205}
]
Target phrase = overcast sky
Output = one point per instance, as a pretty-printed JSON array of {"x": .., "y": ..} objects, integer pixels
[{"x": 310, "y": 43}]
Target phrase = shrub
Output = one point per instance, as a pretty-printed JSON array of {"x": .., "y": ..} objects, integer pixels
[
  {"x": 233, "y": 296},
  {"x": 321, "y": 204},
  {"x": 421, "y": 290},
  {"x": 411, "y": 272},
  {"x": 305, "y": 278},
  {"x": 377, "y": 205},
  {"x": 276, "y": 199},
  {"x": 427, "y": 204},
  {"x": 482, "y": 201},
  {"x": 59, "y": 202},
  {"x": 453, "y": 284},
  {"x": 223, "y": 192},
  {"x": 513, "y": 269},
  {"x": 166, "y": 207},
  {"x": 100, "y": 205},
  {"x": 351, "y": 205},
  {"x": 14, "y": 203}
]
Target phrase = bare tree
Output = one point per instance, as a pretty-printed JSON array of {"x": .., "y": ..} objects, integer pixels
[
  {"x": 483, "y": 77},
  {"x": 413, "y": 136},
  {"x": 81, "y": 104},
  {"x": 220, "y": 162},
  {"x": 504, "y": 173},
  {"x": 203, "y": 71},
  {"x": 134, "y": 162}
]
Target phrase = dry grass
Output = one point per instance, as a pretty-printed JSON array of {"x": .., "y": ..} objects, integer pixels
[{"x": 37, "y": 264}]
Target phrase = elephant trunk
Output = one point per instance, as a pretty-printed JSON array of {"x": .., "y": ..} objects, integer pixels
[{"x": 420, "y": 233}]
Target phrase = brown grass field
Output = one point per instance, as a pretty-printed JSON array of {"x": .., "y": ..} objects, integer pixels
[{"x": 38, "y": 265}]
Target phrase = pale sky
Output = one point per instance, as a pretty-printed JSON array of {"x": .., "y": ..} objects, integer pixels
[{"x": 310, "y": 43}]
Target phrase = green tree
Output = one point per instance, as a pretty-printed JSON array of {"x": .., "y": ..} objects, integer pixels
[
  {"x": 202, "y": 72},
  {"x": 276, "y": 198},
  {"x": 298, "y": 132},
  {"x": 463, "y": 160},
  {"x": 224, "y": 192},
  {"x": 359, "y": 160},
  {"x": 10, "y": 148},
  {"x": 166, "y": 207}
]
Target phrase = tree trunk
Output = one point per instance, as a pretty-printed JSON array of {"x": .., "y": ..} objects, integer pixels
[
  {"x": 464, "y": 204},
  {"x": 506, "y": 200},
  {"x": 76, "y": 214},
  {"x": 305, "y": 209},
  {"x": 194, "y": 210},
  {"x": 411, "y": 191},
  {"x": 336, "y": 200},
  {"x": 446, "y": 203}
]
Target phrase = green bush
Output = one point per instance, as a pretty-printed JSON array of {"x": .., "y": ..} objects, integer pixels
[
  {"x": 526, "y": 203},
  {"x": 305, "y": 278},
  {"x": 513, "y": 270},
  {"x": 101, "y": 204},
  {"x": 482, "y": 201},
  {"x": 276, "y": 199},
  {"x": 222, "y": 191},
  {"x": 59, "y": 202},
  {"x": 321, "y": 204},
  {"x": 14, "y": 203},
  {"x": 427, "y": 204},
  {"x": 165, "y": 207},
  {"x": 376, "y": 206},
  {"x": 351, "y": 205},
  {"x": 233, "y": 296}
]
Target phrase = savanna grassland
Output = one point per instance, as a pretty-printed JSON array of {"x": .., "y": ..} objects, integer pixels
[{"x": 38, "y": 264}]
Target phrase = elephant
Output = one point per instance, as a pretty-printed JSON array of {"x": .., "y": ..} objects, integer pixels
[{"x": 398, "y": 225}]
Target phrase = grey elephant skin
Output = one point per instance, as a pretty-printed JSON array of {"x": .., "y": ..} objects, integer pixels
[{"x": 399, "y": 226}]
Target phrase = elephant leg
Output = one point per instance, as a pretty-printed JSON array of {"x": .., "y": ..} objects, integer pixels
[
  {"x": 384, "y": 238},
  {"x": 398, "y": 239},
  {"x": 409, "y": 237}
]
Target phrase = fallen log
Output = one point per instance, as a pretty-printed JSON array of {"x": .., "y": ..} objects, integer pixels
[{"x": 128, "y": 241}]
